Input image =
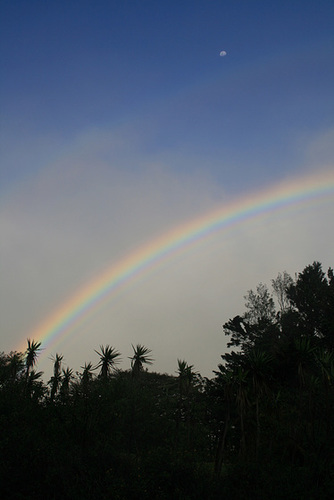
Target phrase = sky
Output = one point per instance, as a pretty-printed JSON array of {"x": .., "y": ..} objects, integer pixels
[{"x": 120, "y": 122}]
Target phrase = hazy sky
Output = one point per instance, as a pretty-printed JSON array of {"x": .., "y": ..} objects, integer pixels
[{"x": 120, "y": 121}]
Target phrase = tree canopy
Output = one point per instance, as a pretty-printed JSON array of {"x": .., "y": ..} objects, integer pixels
[{"x": 261, "y": 427}]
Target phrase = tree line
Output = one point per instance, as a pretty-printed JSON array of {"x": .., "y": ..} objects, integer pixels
[{"x": 261, "y": 427}]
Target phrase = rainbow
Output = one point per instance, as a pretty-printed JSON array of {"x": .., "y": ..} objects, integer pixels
[{"x": 62, "y": 322}]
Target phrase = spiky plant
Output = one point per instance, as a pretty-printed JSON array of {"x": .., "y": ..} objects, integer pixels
[
  {"x": 109, "y": 357},
  {"x": 31, "y": 355},
  {"x": 141, "y": 357}
]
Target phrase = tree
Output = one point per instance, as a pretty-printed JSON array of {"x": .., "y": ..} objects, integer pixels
[
  {"x": 312, "y": 296},
  {"x": 258, "y": 365},
  {"x": 258, "y": 326},
  {"x": 304, "y": 357},
  {"x": 13, "y": 366},
  {"x": 242, "y": 387},
  {"x": 34, "y": 386},
  {"x": 31, "y": 355},
  {"x": 260, "y": 305},
  {"x": 186, "y": 377},
  {"x": 86, "y": 377},
  {"x": 239, "y": 332},
  {"x": 141, "y": 356},
  {"x": 108, "y": 359},
  {"x": 288, "y": 356},
  {"x": 224, "y": 387},
  {"x": 56, "y": 379},
  {"x": 65, "y": 383},
  {"x": 280, "y": 286},
  {"x": 186, "y": 400},
  {"x": 325, "y": 361},
  {"x": 234, "y": 381}
]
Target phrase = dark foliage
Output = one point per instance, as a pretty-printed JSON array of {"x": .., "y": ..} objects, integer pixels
[{"x": 262, "y": 427}]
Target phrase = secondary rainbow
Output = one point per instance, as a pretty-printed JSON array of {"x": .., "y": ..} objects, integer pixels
[{"x": 64, "y": 320}]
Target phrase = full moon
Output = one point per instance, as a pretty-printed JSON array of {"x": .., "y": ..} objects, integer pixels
[{"x": 223, "y": 53}]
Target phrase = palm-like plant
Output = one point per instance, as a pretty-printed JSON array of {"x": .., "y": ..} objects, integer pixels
[
  {"x": 186, "y": 377},
  {"x": 56, "y": 379},
  {"x": 86, "y": 376},
  {"x": 57, "y": 359},
  {"x": 108, "y": 359},
  {"x": 34, "y": 387},
  {"x": 141, "y": 357},
  {"x": 31, "y": 355},
  {"x": 66, "y": 379}
]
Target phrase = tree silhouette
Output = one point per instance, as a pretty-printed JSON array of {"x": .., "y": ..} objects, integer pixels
[
  {"x": 186, "y": 377},
  {"x": 312, "y": 296},
  {"x": 15, "y": 365},
  {"x": 258, "y": 364},
  {"x": 263, "y": 424},
  {"x": 108, "y": 359},
  {"x": 281, "y": 286},
  {"x": 224, "y": 388},
  {"x": 65, "y": 382},
  {"x": 86, "y": 376},
  {"x": 141, "y": 357},
  {"x": 56, "y": 378},
  {"x": 34, "y": 386},
  {"x": 31, "y": 356}
]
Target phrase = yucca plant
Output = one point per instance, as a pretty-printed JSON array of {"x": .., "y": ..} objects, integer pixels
[
  {"x": 141, "y": 357},
  {"x": 109, "y": 357}
]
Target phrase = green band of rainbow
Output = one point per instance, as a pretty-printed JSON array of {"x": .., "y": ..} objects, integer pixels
[{"x": 104, "y": 288}]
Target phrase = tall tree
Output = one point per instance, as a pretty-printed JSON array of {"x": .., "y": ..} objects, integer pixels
[
  {"x": 242, "y": 389},
  {"x": 260, "y": 305},
  {"x": 186, "y": 382},
  {"x": 31, "y": 355},
  {"x": 223, "y": 387},
  {"x": 65, "y": 383},
  {"x": 312, "y": 295},
  {"x": 108, "y": 359},
  {"x": 141, "y": 357},
  {"x": 258, "y": 326},
  {"x": 186, "y": 377},
  {"x": 56, "y": 378},
  {"x": 86, "y": 377},
  {"x": 280, "y": 286},
  {"x": 258, "y": 365},
  {"x": 15, "y": 365},
  {"x": 34, "y": 386}
]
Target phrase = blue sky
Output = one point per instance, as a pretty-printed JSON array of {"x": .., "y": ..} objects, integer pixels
[{"x": 120, "y": 119}]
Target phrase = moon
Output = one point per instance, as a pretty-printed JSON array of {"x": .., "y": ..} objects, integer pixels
[{"x": 223, "y": 53}]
